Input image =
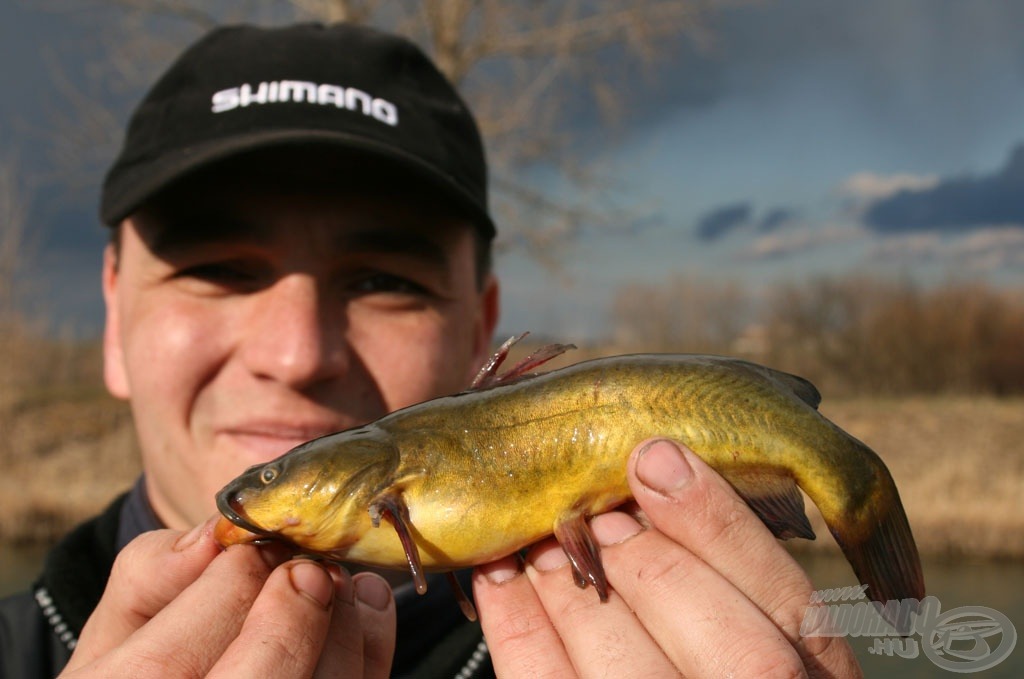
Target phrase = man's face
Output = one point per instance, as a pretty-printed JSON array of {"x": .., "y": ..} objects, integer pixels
[{"x": 245, "y": 324}]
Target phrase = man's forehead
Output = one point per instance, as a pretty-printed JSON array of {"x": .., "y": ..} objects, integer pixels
[{"x": 366, "y": 230}]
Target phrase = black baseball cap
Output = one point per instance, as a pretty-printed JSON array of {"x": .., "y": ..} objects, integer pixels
[{"x": 242, "y": 89}]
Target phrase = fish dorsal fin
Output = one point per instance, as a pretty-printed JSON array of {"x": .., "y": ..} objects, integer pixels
[
  {"x": 489, "y": 377},
  {"x": 775, "y": 499},
  {"x": 804, "y": 390}
]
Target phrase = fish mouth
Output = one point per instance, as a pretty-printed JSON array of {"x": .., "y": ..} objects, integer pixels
[{"x": 229, "y": 506}]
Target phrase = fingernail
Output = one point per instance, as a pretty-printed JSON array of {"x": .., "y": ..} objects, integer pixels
[
  {"x": 613, "y": 528},
  {"x": 500, "y": 572},
  {"x": 661, "y": 466},
  {"x": 310, "y": 579},
  {"x": 549, "y": 557},
  {"x": 372, "y": 591}
]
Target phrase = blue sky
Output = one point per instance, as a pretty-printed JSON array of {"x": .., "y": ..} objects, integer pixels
[
  {"x": 818, "y": 115},
  {"x": 813, "y": 137}
]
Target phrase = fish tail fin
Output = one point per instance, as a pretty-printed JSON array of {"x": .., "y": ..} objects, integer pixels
[{"x": 884, "y": 556}]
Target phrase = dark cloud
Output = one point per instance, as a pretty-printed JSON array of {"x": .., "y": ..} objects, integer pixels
[
  {"x": 721, "y": 221},
  {"x": 957, "y": 204},
  {"x": 775, "y": 219}
]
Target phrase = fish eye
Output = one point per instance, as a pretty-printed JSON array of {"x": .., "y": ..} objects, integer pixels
[{"x": 268, "y": 475}]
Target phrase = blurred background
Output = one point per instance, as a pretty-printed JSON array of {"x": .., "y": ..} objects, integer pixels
[{"x": 832, "y": 188}]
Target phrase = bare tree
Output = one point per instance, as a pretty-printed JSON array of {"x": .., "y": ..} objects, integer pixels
[{"x": 527, "y": 68}]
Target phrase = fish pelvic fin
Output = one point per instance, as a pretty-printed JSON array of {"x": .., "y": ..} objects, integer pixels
[
  {"x": 391, "y": 506},
  {"x": 886, "y": 559},
  {"x": 775, "y": 499},
  {"x": 579, "y": 544},
  {"x": 465, "y": 603}
]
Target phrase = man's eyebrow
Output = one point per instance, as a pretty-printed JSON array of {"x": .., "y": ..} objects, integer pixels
[
  {"x": 184, "y": 231},
  {"x": 394, "y": 241}
]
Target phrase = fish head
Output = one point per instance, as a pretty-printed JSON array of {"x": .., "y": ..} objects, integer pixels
[{"x": 314, "y": 497}]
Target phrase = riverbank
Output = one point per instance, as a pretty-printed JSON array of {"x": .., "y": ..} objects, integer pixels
[{"x": 957, "y": 460}]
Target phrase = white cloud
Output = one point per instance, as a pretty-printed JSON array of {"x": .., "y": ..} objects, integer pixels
[
  {"x": 868, "y": 187},
  {"x": 793, "y": 241},
  {"x": 986, "y": 250}
]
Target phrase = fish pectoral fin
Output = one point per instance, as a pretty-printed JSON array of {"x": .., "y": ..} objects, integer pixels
[
  {"x": 391, "y": 505},
  {"x": 488, "y": 377},
  {"x": 776, "y": 500},
  {"x": 578, "y": 543}
]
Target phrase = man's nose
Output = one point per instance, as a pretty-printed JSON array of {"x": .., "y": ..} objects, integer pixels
[{"x": 294, "y": 335}]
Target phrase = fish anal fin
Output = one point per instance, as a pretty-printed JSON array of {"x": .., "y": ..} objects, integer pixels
[
  {"x": 579, "y": 544},
  {"x": 776, "y": 500},
  {"x": 488, "y": 377},
  {"x": 391, "y": 506}
]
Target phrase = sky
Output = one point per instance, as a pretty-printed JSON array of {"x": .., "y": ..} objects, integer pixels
[{"x": 814, "y": 137}]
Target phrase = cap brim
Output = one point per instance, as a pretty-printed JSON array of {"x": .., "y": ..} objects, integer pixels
[{"x": 126, "y": 193}]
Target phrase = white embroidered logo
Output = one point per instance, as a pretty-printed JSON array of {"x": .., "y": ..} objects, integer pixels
[{"x": 280, "y": 91}]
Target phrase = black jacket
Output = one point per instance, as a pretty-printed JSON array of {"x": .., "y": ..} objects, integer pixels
[{"x": 38, "y": 629}]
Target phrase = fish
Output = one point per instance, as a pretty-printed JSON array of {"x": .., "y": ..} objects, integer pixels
[{"x": 466, "y": 479}]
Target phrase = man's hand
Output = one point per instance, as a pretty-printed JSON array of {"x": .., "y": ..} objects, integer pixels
[
  {"x": 706, "y": 591},
  {"x": 177, "y": 605}
]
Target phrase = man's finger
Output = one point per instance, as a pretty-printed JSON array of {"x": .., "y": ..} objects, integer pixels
[
  {"x": 284, "y": 631},
  {"x": 193, "y": 631},
  {"x": 378, "y": 620},
  {"x": 520, "y": 635},
  {"x": 694, "y": 506},
  {"x": 135, "y": 593},
  {"x": 602, "y": 638}
]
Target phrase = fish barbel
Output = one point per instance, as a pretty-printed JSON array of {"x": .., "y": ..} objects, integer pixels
[{"x": 466, "y": 479}]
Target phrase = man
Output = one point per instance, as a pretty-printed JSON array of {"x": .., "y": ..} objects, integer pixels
[{"x": 300, "y": 244}]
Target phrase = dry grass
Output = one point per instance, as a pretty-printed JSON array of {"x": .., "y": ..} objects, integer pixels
[
  {"x": 66, "y": 447},
  {"x": 67, "y": 459}
]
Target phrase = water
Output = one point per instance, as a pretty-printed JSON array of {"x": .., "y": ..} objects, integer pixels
[{"x": 998, "y": 585}]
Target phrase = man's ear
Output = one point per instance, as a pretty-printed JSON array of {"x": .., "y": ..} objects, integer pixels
[{"x": 114, "y": 374}]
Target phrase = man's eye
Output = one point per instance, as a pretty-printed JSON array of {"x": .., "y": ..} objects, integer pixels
[{"x": 382, "y": 282}]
